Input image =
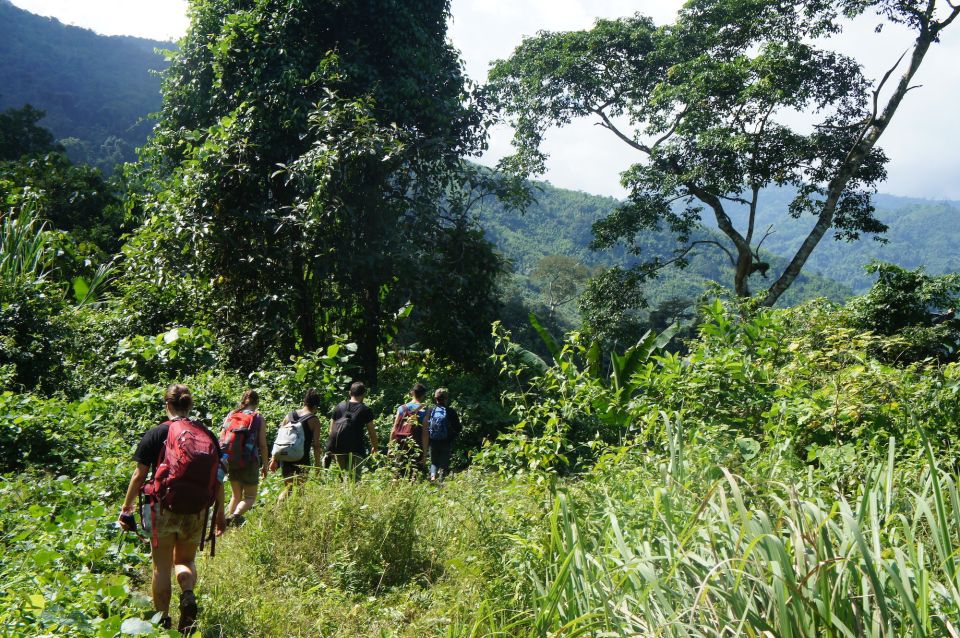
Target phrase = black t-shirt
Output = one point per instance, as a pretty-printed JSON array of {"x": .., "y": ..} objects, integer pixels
[
  {"x": 152, "y": 443},
  {"x": 361, "y": 416},
  {"x": 351, "y": 440}
]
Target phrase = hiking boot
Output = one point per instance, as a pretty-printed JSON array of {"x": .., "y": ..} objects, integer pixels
[
  {"x": 165, "y": 622},
  {"x": 235, "y": 521},
  {"x": 188, "y": 613}
]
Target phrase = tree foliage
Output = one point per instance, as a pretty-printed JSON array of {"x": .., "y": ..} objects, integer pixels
[
  {"x": 306, "y": 166},
  {"x": 705, "y": 101}
]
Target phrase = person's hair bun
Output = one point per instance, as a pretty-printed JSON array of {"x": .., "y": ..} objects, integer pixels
[{"x": 178, "y": 396}]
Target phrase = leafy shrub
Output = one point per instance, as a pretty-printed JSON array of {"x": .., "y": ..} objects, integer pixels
[
  {"x": 34, "y": 334},
  {"x": 904, "y": 303},
  {"x": 175, "y": 352},
  {"x": 64, "y": 571},
  {"x": 568, "y": 410},
  {"x": 285, "y": 382}
]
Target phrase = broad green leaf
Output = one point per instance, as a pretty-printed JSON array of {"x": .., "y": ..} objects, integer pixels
[
  {"x": 136, "y": 627},
  {"x": 80, "y": 289}
]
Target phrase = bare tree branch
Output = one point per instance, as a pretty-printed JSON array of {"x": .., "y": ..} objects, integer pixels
[
  {"x": 672, "y": 129},
  {"x": 876, "y": 92},
  {"x": 733, "y": 262},
  {"x": 940, "y": 26},
  {"x": 756, "y": 252},
  {"x": 738, "y": 200},
  {"x": 607, "y": 124}
]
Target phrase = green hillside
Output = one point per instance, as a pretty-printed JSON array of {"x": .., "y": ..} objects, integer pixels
[
  {"x": 96, "y": 90},
  {"x": 560, "y": 221},
  {"x": 922, "y": 233}
]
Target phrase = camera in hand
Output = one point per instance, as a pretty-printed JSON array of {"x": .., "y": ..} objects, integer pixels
[{"x": 129, "y": 521}]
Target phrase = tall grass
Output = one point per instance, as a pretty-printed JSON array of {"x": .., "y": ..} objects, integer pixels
[
  {"x": 881, "y": 565},
  {"x": 25, "y": 247},
  {"x": 370, "y": 558}
]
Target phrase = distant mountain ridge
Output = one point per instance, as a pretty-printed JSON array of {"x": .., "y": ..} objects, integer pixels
[
  {"x": 922, "y": 232},
  {"x": 560, "y": 223},
  {"x": 97, "y": 90}
]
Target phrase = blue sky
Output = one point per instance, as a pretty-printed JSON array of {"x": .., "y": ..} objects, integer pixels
[{"x": 923, "y": 140}]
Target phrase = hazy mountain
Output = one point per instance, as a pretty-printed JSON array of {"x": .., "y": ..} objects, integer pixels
[
  {"x": 560, "y": 222},
  {"x": 95, "y": 89},
  {"x": 922, "y": 233}
]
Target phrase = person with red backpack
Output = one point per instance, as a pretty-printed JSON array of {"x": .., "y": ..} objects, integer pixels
[
  {"x": 186, "y": 482},
  {"x": 408, "y": 436},
  {"x": 244, "y": 441}
]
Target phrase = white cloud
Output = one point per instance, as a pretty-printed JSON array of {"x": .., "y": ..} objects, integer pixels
[{"x": 923, "y": 140}]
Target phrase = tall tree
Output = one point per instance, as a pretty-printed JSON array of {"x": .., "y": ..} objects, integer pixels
[
  {"x": 20, "y": 134},
  {"x": 705, "y": 101},
  {"x": 307, "y": 160},
  {"x": 561, "y": 278}
]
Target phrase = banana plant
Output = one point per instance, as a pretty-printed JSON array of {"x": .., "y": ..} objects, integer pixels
[{"x": 624, "y": 366}]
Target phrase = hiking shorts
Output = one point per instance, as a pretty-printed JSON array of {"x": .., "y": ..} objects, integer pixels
[
  {"x": 288, "y": 470},
  {"x": 187, "y": 527},
  {"x": 249, "y": 475}
]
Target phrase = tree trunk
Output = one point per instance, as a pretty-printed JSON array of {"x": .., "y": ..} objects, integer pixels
[
  {"x": 742, "y": 274},
  {"x": 368, "y": 338},
  {"x": 849, "y": 168},
  {"x": 306, "y": 319}
]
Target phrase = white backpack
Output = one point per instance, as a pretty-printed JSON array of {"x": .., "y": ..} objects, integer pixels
[{"x": 289, "y": 444}]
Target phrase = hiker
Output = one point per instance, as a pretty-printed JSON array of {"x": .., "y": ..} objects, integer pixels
[
  {"x": 443, "y": 426},
  {"x": 244, "y": 441},
  {"x": 305, "y": 420},
  {"x": 179, "y": 496},
  {"x": 408, "y": 435},
  {"x": 345, "y": 442}
]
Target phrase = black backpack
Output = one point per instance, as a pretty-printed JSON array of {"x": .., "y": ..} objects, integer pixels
[{"x": 343, "y": 432}]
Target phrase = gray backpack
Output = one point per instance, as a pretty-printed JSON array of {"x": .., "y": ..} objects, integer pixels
[{"x": 289, "y": 444}]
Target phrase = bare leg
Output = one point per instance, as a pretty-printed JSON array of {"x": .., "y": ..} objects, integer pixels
[
  {"x": 290, "y": 481},
  {"x": 248, "y": 496},
  {"x": 162, "y": 566},
  {"x": 184, "y": 559},
  {"x": 236, "y": 496}
]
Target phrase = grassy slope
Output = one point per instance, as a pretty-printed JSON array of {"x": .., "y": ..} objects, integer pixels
[{"x": 380, "y": 557}]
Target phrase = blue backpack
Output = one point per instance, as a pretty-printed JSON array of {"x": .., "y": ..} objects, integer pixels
[{"x": 438, "y": 429}]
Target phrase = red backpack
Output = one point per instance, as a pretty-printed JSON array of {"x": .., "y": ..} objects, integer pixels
[
  {"x": 239, "y": 438},
  {"x": 406, "y": 423},
  {"x": 185, "y": 480}
]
